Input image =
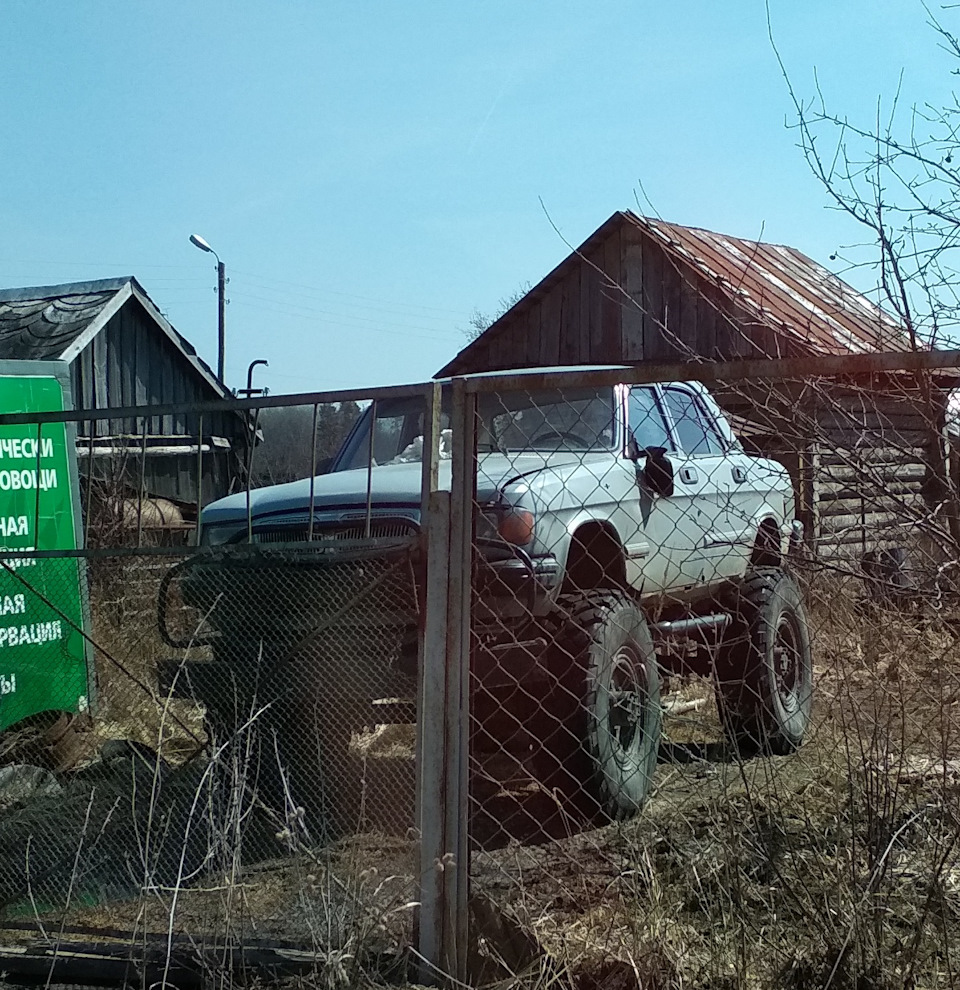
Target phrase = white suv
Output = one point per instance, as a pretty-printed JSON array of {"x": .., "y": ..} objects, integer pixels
[{"x": 609, "y": 520}]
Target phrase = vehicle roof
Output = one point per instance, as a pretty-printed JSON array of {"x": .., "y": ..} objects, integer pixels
[
  {"x": 565, "y": 369},
  {"x": 540, "y": 370}
]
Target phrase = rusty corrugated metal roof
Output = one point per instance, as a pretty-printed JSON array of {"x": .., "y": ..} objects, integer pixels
[
  {"x": 774, "y": 285},
  {"x": 792, "y": 293}
]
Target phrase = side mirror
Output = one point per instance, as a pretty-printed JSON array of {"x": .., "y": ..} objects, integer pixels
[
  {"x": 323, "y": 465},
  {"x": 658, "y": 471}
]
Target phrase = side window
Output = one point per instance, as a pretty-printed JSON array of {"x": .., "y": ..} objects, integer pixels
[
  {"x": 697, "y": 435},
  {"x": 647, "y": 424}
]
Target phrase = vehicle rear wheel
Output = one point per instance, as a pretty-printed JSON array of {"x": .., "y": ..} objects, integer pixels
[
  {"x": 764, "y": 670},
  {"x": 617, "y": 722}
]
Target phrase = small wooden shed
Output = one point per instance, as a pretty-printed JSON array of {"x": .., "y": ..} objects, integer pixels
[
  {"x": 123, "y": 352},
  {"x": 864, "y": 455}
]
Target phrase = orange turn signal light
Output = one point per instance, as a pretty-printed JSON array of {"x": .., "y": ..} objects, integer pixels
[{"x": 516, "y": 526}]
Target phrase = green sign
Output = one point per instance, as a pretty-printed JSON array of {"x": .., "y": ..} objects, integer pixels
[{"x": 43, "y": 656}]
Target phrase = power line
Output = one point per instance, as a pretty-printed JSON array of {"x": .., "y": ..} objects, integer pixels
[
  {"x": 125, "y": 265},
  {"x": 348, "y": 295},
  {"x": 345, "y": 319},
  {"x": 399, "y": 331},
  {"x": 191, "y": 286},
  {"x": 338, "y": 314},
  {"x": 375, "y": 309}
]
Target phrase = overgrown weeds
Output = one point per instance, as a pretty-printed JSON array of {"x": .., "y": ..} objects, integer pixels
[{"x": 837, "y": 866}]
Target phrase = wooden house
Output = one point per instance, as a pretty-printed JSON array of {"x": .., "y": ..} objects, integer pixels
[
  {"x": 123, "y": 352},
  {"x": 864, "y": 454}
]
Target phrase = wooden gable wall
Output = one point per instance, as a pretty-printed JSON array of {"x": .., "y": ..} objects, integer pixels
[
  {"x": 628, "y": 298},
  {"x": 132, "y": 362}
]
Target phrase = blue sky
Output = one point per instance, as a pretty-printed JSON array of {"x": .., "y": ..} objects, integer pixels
[{"x": 372, "y": 172}]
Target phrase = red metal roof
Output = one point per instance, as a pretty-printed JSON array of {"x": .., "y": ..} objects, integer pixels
[{"x": 785, "y": 288}]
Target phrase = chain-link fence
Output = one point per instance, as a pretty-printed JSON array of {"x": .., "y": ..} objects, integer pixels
[
  {"x": 209, "y": 765},
  {"x": 714, "y": 686},
  {"x": 596, "y": 679}
]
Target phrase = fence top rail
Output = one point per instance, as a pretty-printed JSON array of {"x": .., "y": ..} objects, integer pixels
[
  {"x": 765, "y": 369},
  {"x": 762, "y": 369},
  {"x": 215, "y": 405}
]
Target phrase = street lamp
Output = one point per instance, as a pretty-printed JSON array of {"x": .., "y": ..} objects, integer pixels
[{"x": 197, "y": 241}]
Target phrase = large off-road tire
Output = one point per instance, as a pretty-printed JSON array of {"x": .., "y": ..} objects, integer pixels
[
  {"x": 289, "y": 717},
  {"x": 764, "y": 671},
  {"x": 616, "y": 723}
]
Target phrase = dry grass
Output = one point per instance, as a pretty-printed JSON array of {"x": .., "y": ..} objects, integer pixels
[
  {"x": 316, "y": 897},
  {"x": 131, "y": 705},
  {"x": 770, "y": 873},
  {"x": 836, "y": 867}
]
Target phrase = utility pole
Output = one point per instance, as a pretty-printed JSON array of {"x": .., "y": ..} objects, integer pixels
[
  {"x": 221, "y": 317},
  {"x": 197, "y": 241}
]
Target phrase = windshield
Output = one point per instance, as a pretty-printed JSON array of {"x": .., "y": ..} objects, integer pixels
[
  {"x": 510, "y": 422},
  {"x": 550, "y": 419}
]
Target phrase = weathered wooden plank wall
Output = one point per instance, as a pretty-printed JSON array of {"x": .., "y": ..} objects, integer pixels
[
  {"x": 630, "y": 311},
  {"x": 130, "y": 363},
  {"x": 626, "y": 298},
  {"x": 611, "y": 295}
]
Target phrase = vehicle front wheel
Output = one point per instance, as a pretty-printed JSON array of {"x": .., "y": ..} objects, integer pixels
[
  {"x": 617, "y": 723},
  {"x": 764, "y": 671}
]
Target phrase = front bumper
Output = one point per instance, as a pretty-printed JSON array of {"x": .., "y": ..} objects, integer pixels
[{"x": 509, "y": 582}]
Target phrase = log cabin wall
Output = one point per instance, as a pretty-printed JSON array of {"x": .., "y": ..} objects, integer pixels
[
  {"x": 879, "y": 452},
  {"x": 862, "y": 456}
]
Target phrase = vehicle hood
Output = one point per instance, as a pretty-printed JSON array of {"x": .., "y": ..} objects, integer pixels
[{"x": 391, "y": 485}]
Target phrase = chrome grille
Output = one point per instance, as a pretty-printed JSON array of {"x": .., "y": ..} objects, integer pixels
[{"x": 354, "y": 530}]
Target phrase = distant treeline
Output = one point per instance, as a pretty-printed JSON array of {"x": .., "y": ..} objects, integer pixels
[{"x": 284, "y": 452}]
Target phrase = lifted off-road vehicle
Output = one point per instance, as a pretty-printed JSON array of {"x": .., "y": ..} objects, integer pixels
[{"x": 620, "y": 532}]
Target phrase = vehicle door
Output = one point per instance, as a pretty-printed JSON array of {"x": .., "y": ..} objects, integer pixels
[
  {"x": 658, "y": 537},
  {"x": 751, "y": 483},
  {"x": 703, "y": 489}
]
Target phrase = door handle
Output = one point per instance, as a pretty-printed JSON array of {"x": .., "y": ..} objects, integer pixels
[
  {"x": 739, "y": 475},
  {"x": 688, "y": 475}
]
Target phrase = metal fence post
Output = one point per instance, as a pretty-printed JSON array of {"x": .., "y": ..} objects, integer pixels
[
  {"x": 444, "y": 682},
  {"x": 462, "y": 497},
  {"x": 435, "y": 532}
]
